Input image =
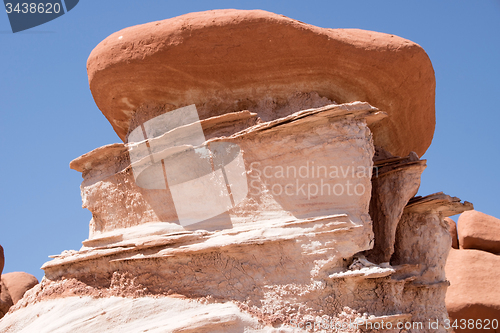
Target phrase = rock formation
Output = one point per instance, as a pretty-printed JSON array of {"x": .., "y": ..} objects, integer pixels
[
  {"x": 452, "y": 227},
  {"x": 13, "y": 286},
  {"x": 479, "y": 231},
  {"x": 2, "y": 259},
  {"x": 473, "y": 298},
  {"x": 227, "y": 60},
  {"x": 17, "y": 283},
  {"x": 5, "y": 299},
  {"x": 266, "y": 183}
]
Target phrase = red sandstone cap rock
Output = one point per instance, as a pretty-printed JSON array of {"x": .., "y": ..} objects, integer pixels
[{"x": 230, "y": 60}]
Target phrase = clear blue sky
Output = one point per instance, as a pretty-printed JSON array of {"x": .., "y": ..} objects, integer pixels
[{"x": 48, "y": 116}]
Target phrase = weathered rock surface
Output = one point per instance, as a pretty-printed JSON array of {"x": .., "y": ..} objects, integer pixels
[
  {"x": 120, "y": 315},
  {"x": 231, "y": 60},
  {"x": 319, "y": 221},
  {"x": 2, "y": 260},
  {"x": 117, "y": 203},
  {"x": 452, "y": 227},
  {"x": 282, "y": 261},
  {"x": 421, "y": 247},
  {"x": 280, "y": 212},
  {"x": 473, "y": 293},
  {"x": 394, "y": 182},
  {"x": 479, "y": 231}
]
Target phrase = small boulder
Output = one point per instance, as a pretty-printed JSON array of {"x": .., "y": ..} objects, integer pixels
[
  {"x": 18, "y": 283},
  {"x": 13, "y": 286},
  {"x": 452, "y": 227},
  {"x": 479, "y": 231},
  {"x": 5, "y": 300},
  {"x": 2, "y": 260},
  {"x": 473, "y": 292}
]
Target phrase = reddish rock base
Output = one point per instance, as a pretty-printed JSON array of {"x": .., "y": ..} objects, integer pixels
[{"x": 473, "y": 298}]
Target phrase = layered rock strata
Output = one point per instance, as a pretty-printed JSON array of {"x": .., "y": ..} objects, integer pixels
[
  {"x": 283, "y": 260},
  {"x": 272, "y": 120}
]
